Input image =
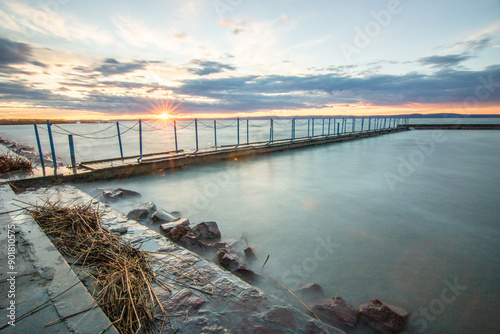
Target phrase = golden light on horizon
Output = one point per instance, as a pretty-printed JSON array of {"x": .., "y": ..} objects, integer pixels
[{"x": 164, "y": 109}]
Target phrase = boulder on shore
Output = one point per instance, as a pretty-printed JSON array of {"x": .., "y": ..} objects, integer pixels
[
  {"x": 231, "y": 260},
  {"x": 387, "y": 319},
  {"x": 207, "y": 231},
  {"x": 162, "y": 215},
  {"x": 143, "y": 211},
  {"x": 167, "y": 227},
  {"x": 120, "y": 193},
  {"x": 336, "y": 312},
  {"x": 178, "y": 232},
  {"x": 310, "y": 292}
]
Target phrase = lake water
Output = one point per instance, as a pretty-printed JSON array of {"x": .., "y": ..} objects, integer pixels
[
  {"x": 99, "y": 140},
  {"x": 411, "y": 218}
]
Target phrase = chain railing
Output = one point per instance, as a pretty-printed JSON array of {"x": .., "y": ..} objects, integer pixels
[{"x": 212, "y": 134}]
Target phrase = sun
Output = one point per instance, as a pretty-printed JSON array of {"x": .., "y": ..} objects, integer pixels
[
  {"x": 164, "y": 116},
  {"x": 164, "y": 110}
]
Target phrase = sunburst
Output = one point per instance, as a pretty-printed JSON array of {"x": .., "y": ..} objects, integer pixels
[{"x": 164, "y": 109}]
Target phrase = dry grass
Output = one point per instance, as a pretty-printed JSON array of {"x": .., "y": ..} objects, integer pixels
[
  {"x": 10, "y": 162},
  {"x": 123, "y": 273}
]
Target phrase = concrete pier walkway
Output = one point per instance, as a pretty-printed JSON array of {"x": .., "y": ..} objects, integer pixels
[{"x": 133, "y": 166}]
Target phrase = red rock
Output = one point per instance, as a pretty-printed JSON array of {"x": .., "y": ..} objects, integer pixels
[
  {"x": 383, "y": 317},
  {"x": 336, "y": 312},
  {"x": 178, "y": 232},
  {"x": 250, "y": 253},
  {"x": 207, "y": 231}
]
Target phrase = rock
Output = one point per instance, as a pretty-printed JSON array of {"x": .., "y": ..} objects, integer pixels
[
  {"x": 167, "y": 227},
  {"x": 207, "y": 231},
  {"x": 246, "y": 326},
  {"x": 250, "y": 254},
  {"x": 310, "y": 292},
  {"x": 336, "y": 312},
  {"x": 120, "y": 193},
  {"x": 178, "y": 232},
  {"x": 190, "y": 242},
  {"x": 214, "y": 245},
  {"x": 119, "y": 230},
  {"x": 143, "y": 211},
  {"x": 230, "y": 260},
  {"x": 162, "y": 215},
  {"x": 383, "y": 317},
  {"x": 138, "y": 214},
  {"x": 282, "y": 317}
]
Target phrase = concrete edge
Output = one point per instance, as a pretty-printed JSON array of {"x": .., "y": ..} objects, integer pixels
[{"x": 50, "y": 264}]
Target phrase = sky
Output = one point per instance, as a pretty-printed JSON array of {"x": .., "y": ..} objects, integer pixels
[{"x": 118, "y": 59}]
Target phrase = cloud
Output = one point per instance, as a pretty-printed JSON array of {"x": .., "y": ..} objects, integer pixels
[
  {"x": 51, "y": 21},
  {"x": 444, "y": 61},
  {"x": 112, "y": 66},
  {"x": 206, "y": 67},
  {"x": 13, "y": 53}
]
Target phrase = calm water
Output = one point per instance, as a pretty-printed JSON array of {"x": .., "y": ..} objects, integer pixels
[
  {"x": 403, "y": 217},
  {"x": 100, "y": 141}
]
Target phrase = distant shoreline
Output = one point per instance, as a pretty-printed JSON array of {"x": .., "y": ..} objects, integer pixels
[{"x": 63, "y": 121}]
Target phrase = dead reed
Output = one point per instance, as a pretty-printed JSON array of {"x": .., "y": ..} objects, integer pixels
[
  {"x": 10, "y": 162},
  {"x": 122, "y": 272}
]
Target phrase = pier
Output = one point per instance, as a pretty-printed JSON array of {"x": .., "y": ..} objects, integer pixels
[{"x": 129, "y": 166}]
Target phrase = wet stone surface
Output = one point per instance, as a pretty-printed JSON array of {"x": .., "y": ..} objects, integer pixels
[{"x": 217, "y": 302}]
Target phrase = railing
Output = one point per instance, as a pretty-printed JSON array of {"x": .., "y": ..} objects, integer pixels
[{"x": 199, "y": 135}]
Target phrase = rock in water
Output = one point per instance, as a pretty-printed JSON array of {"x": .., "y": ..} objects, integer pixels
[
  {"x": 336, "y": 312},
  {"x": 250, "y": 254},
  {"x": 162, "y": 215},
  {"x": 207, "y": 231},
  {"x": 167, "y": 227},
  {"x": 230, "y": 259},
  {"x": 138, "y": 214},
  {"x": 310, "y": 292},
  {"x": 383, "y": 317},
  {"x": 143, "y": 211},
  {"x": 178, "y": 232},
  {"x": 120, "y": 193}
]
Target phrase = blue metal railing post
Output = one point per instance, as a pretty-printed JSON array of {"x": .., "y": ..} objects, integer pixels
[
  {"x": 72, "y": 151},
  {"x": 196, "y": 131},
  {"x": 293, "y": 128},
  {"x": 119, "y": 138},
  {"x": 39, "y": 146},
  {"x": 271, "y": 131},
  {"x": 248, "y": 134},
  {"x": 238, "y": 131},
  {"x": 175, "y": 136},
  {"x": 215, "y": 133},
  {"x": 323, "y": 128},
  {"x": 369, "y": 123},
  {"x": 385, "y": 120},
  {"x": 338, "y": 129},
  {"x": 312, "y": 128},
  {"x": 308, "y": 126},
  {"x": 329, "y": 122},
  {"x": 362, "y": 123},
  {"x": 52, "y": 150},
  {"x": 140, "y": 140},
  {"x": 353, "y": 125}
]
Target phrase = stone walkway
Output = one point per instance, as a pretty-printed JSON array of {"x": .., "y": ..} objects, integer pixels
[
  {"x": 202, "y": 297},
  {"x": 37, "y": 278}
]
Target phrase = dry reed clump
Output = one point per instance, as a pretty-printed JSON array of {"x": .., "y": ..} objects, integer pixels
[
  {"x": 123, "y": 273},
  {"x": 10, "y": 162}
]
